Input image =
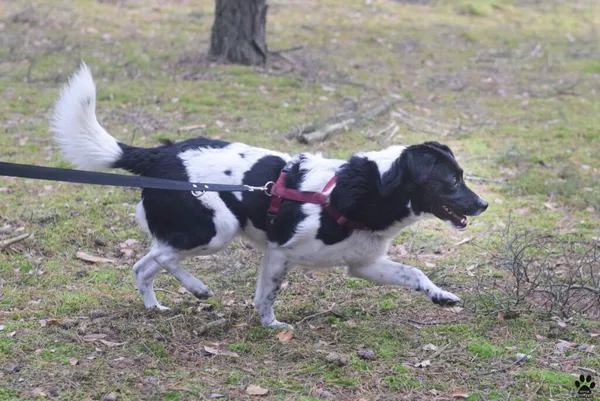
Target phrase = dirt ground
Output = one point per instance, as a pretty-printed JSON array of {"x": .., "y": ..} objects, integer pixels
[{"x": 512, "y": 86}]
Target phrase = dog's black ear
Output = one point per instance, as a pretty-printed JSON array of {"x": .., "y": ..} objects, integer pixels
[
  {"x": 413, "y": 167},
  {"x": 420, "y": 164},
  {"x": 393, "y": 178},
  {"x": 440, "y": 146}
]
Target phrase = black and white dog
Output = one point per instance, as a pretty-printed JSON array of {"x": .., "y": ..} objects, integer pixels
[{"x": 384, "y": 191}]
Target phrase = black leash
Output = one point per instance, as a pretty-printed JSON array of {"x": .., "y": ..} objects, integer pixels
[{"x": 119, "y": 180}]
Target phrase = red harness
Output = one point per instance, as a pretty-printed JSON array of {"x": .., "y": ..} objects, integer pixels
[{"x": 279, "y": 192}]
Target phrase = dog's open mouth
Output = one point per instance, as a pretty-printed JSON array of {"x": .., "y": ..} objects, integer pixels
[{"x": 446, "y": 213}]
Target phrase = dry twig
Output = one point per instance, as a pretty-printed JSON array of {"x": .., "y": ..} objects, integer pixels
[
  {"x": 11, "y": 241},
  {"x": 217, "y": 323}
]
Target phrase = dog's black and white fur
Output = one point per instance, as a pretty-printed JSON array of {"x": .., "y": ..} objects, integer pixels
[{"x": 385, "y": 190}]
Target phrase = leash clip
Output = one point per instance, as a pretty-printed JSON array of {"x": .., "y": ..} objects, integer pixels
[
  {"x": 199, "y": 193},
  {"x": 267, "y": 188}
]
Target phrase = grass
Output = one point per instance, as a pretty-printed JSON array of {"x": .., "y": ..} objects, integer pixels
[{"x": 523, "y": 74}]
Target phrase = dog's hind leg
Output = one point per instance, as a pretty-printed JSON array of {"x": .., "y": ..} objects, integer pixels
[
  {"x": 385, "y": 271},
  {"x": 165, "y": 258},
  {"x": 145, "y": 270},
  {"x": 271, "y": 276},
  {"x": 169, "y": 260}
]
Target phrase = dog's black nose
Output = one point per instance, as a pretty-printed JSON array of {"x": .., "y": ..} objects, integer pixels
[{"x": 483, "y": 204}]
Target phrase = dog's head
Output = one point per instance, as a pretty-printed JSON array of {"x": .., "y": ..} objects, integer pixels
[{"x": 435, "y": 182}]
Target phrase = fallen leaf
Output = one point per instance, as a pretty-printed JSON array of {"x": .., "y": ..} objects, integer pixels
[
  {"x": 181, "y": 290},
  {"x": 12, "y": 333},
  {"x": 94, "y": 337},
  {"x": 510, "y": 348},
  {"x": 423, "y": 364},
  {"x": 38, "y": 392},
  {"x": 455, "y": 309},
  {"x": 594, "y": 335},
  {"x": 73, "y": 361},
  {"x": 501, "y": 316},
  {"x": 256, "y": 390},
  {"x": 126, "y": 247},
  {"x": 2, "y": 327},
  {"x": 562, "y": 345},
  {"x": 430, "y": 347},
  {"x": 219, "y": 123},
  {"x": 52, "y": 322},
  {"x": 460, "y": 396},
  {"x": 285, "y": 336},
  {"x": 215, "y": 351},
  {"x": 93, "y": 259}
]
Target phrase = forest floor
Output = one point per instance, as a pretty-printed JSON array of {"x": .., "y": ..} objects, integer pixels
[{"x": 512, "y": 86}]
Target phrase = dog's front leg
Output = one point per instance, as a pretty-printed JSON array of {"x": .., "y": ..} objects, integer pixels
[
  {"x": 271, "y": 276},
  {"x": 384, "y": 271}
]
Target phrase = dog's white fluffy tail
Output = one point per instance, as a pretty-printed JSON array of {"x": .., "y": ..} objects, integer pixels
[{"x": 77, "y": 131}]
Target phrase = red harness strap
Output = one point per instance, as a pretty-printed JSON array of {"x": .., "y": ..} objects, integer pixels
[{"x": 279, "y": 192}]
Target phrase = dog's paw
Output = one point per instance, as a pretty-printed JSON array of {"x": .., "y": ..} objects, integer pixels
[
  {"x": 158, "y": 307},
  {"x": 276, "y": 324},
  {"x": 201, "y": 294},
  {"x": 444, "y": 298}
]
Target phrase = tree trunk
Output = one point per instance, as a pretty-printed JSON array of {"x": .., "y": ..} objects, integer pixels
[{"x": 238, "y": 33}]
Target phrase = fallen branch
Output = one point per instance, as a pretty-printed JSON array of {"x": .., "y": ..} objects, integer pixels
[
  {"x": 431, "y": 126},
  {"x": 383, "y": 130},
  {"x": 438, "y": 352},
  {"x": 482, "y": 179},
  {"x": 327, "y": 312},
  {"x": 328, "y": 131},
  {"x": 291, "y": 49},
  {"x": 392, "y": 134},
  {"x": 217, "y": 323},
  {"x": 336, "y": 128},
  {"x": 190, "y": 127},
  {"x": 434, "y": 322},
  {"x": 11, "y": 241},
  {"x": 587, "y": 370}
]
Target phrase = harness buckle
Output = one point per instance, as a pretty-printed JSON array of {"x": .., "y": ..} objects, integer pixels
[{"x": 268, "y": 188}]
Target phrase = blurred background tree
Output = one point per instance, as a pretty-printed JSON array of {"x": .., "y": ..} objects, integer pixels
[{"x": 238, "y": 32}]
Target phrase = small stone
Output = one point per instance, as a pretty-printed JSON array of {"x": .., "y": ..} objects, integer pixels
[
  {"x": 13, "y": 368},
  {"x": 110, "y": 397},
  {"x": 97, "y": 314},
  {"x": 336, "y": 359},
  {"x": 583, "y": 347},
  {"x": 54, "y": 392},
  {"x": 68, "y": 324},
  {"x": 367, "y": 354}
]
